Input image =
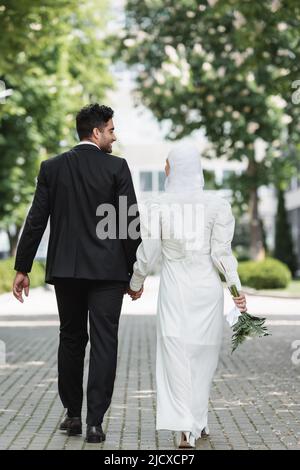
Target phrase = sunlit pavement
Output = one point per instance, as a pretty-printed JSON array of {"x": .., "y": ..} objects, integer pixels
[{"x": 255, "y": 399}]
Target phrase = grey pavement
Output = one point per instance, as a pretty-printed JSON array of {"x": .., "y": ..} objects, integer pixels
[{"x": 255, "y": 397}]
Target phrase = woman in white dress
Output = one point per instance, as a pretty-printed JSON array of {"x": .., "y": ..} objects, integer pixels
[{"x": 191, "y": 299}]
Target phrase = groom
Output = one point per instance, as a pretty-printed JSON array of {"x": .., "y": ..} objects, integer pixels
[{"x": 90, "y": 273}]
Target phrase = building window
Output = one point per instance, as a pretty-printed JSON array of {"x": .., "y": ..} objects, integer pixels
[
  {"x": 146, "y": 181},
  {"x": 161, "y": 180}
]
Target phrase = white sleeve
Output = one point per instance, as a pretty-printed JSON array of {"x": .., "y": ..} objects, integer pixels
[
  {"x": 149, "y": 250},
  {"x": 221, "y": 238}
]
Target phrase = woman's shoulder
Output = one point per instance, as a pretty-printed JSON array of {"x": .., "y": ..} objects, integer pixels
[{"x": 217, "y": 207}]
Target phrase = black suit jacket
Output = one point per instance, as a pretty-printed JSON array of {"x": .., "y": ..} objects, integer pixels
[{"x": 69, "y": 189}]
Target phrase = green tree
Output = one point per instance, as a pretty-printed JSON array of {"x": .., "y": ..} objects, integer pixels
[
  {"x": 226, "y": 66},
  {"x": 284, "y": 249},
  {"x": 56, "y": 60},
  {"x": 27, "y": 27}
]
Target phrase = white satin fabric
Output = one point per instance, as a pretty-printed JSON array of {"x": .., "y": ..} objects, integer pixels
[{"x": 190, "y": 301}]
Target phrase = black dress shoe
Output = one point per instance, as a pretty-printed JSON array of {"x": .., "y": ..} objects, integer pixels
[
  {"x": 73, "y": 426},
  {"x": 94, "y": 434}
]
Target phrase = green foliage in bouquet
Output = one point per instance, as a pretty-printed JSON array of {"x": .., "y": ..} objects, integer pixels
[{"x": 246, "y": 326}]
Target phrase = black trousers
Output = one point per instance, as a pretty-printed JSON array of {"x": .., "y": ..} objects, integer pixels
[{"x": 101, "y": 301}]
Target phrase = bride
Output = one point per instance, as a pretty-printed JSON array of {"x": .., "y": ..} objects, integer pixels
[{"x": 191, "y": 299}]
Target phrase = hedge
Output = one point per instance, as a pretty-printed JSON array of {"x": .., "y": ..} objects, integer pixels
[{"x": 266, "y": 274}]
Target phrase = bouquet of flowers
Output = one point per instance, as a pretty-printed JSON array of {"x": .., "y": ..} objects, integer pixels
[{"x": 246, "y": 325}]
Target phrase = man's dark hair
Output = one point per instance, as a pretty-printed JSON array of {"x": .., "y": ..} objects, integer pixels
[{"x": 92, "y": 116}]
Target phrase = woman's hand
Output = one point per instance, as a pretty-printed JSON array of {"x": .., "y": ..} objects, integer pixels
[
  {"x": 135, "y": 294},
  {"x": 240, "y": 302}
]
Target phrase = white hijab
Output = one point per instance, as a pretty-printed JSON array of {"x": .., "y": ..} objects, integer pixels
[{"x": 186, "y": 174}]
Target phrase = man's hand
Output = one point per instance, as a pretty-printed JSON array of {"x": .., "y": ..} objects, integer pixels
[
  {"x": 135, "y": 294},
  {"x": 21, "y": 282},
  {"x": 240, "y": 302}
]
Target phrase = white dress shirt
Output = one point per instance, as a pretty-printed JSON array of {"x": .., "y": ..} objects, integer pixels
[{"x": 87, "y": 142}]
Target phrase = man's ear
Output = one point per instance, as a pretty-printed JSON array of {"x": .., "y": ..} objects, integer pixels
[{"x": 95, "y": 132}]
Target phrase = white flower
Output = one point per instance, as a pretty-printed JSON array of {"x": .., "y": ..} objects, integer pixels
[
  {"x": 236, "y": 115},
  {"x": 239, "y": 20},
  {"x": 239, "y": 144},
  {"x": 206, "y": 66},
  {"x": 171, "y": 69},
  {"x": 212, "y": 2},
  {"x": 129, "y": 42},
  {"x": 221, "y": 71},
  {"x": 284, "y": 72},
  {"x": 277, "y": 101},
  {"x": 286, "y": 119},
  {"x": 238, "y": 58},
  {"x": 275, "y": 5},
  {"x": 171, "y": 53},
  {"x": 141, "y": 36},
  {"x": 282, "y": 26},
  {"x": 198, "y": 49},
  {"x": 190, "y": 14},
  {"x": 160, "y": 78},
  {"x": 252, "y": 127},
  {"x": 284, "y": 53},
  {"x": 35, "y": 26}
]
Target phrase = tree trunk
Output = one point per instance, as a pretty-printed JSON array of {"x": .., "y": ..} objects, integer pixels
[
  {"x": 13, "y": 240},
  {"x": 257, "y": 251}
]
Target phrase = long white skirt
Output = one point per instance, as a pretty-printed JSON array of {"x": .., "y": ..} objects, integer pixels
[{"x": 189, "y": 335}]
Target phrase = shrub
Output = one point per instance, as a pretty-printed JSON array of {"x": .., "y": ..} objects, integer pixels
[
  {"x": 267, "y": 274},
  {"x": 7, "y": 274}
]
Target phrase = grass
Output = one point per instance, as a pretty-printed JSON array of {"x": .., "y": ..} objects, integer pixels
[
  {"x": 7, "y": 274},
  {"x": 292, "y": 289}
]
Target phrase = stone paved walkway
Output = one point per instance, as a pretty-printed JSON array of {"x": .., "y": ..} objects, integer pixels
[{"x": 255, "y": 399}]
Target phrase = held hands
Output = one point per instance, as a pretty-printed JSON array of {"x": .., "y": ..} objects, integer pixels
[
  {"x": 21, "y": 282},
  {"x": 240, "y": 302},
  {"x": 135, "y": 294}
]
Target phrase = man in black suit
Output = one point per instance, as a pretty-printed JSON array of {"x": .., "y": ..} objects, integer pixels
[{"x": 90, "y": 272}]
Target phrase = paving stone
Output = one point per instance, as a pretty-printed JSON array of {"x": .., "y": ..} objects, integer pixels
[{"x": 255, "y": 396}]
